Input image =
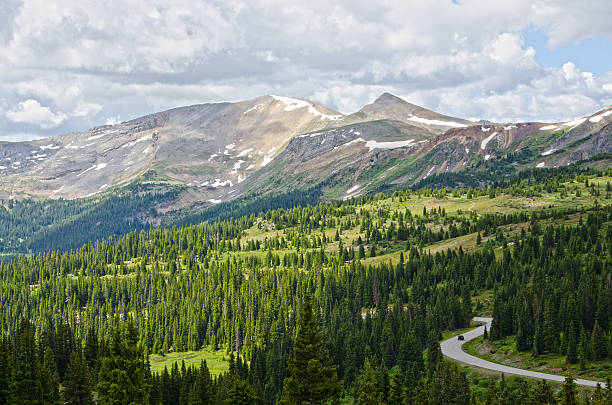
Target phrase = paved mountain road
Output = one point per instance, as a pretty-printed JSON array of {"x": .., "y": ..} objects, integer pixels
[{"x": 452, "y": 348}]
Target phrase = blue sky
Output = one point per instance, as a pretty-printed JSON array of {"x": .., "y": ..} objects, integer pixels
[
  {"x": 68, "y": 65},
  {"x": 592, "y": 54}
]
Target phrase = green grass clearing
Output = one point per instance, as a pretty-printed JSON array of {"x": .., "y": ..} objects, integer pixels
[{"x": 216, "y": 360}]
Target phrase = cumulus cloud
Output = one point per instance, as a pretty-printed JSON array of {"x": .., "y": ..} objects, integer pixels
[
  {"x": 31, "y": 112},
  {"x": 70, "y": 65}
]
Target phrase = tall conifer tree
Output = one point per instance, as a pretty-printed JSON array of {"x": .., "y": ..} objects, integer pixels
[{"x": 313, "y": 379}]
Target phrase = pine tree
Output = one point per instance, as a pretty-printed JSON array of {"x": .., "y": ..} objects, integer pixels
[
  {"x": 466, "y": 301},
  {"x": 550, "y": 332},
  {"x": 397, "y": 392},
  {"x": 538, "y": 338},
  {"x": 434, "y": 354},
  {"x": 367, "y": 391},
  {"x": 6, "y": 371},
  {"x": 201, "y": 392},
  {"x": 123, "y": 375},
  {"x": 91, "y": 352},
  {"x": 313, "y": 380},
  {"x": 543, "y": 394},
  {"x": 240, "y": 392},
  {"x": 50, "y": 379},
  {"x": 583, "y": 349},
  {"x": 77, "y": 385},
  {"x": 27, "y": 388},
  {"x": 572, "y": 346},
  {"x": 525, "y": 332},
  {"x": 373, "y": 250},
  {"x": 569, "y": 391},
  {"x": 599, "y": 343},
  {"x": 598, "y": 395},
  {"x": 410, "y": 355}
]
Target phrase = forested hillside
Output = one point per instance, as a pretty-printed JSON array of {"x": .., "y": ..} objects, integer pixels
[{"x": 342, "y": 301}]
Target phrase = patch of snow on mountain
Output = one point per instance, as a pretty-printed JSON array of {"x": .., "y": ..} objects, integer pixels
[
  {"x": 351, "y": 142},
  {"x": 436, "y": 122},
  {"x": 267, "y": 159},
  {"x": 214, "y": 155},
  {"x": 134, "y": 142},
  {"x": 86, "y": 170},
  {"x": 2, "y": 167},
  {"x": 483, "y": 144},
  {"x": 548, "y": 152},
  {"x": 541, "y": 164},
  {"x": 509, "y": 127},
  {"x": 354, "y": 188},
  {"x": 371, "y": 145},
  {"x": 255, "y": 107},
  {"x": 601, "y": 116},
  {"x": 219, "y": 183},
  {"x": 295, "y": 104},
  {"x": 91, "y": 138},
  {"x": 212, "y": 200},
  {"x": 250, "y": 167},
  {"x": 237, "y": 166},
  {"x": 230, "y": 146},
  {"x": 467, "y": 150},
  {"x": 51, "y": 146},
  {"x": 59, "y": 189},
  {"x": 487, "y": 157},
  {"x": 387, "y": 145},
  {"x": 548, "y": 127},
  {"x": 244, "y": 152},
  {"x": 575, "y": 122},
  {"x": 94, "y": 167},
  {"x": 103, "y": 186},
  {"x": 485, "y": 129}
]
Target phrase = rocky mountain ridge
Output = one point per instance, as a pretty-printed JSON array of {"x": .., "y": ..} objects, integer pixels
[{"x": 273, "y": 143}]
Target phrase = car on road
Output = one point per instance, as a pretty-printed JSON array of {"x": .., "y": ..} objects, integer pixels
[{"x": 461, "y": 337}]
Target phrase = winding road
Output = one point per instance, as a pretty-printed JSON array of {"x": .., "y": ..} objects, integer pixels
[{"x": 452, "y": 348}]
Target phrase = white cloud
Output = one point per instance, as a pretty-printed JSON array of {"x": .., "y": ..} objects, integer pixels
[
  {"x": 31, "y": 112},
  {"x": 571, "y": 20},
  {"x": 117, "y": 36},
  {"x": 84, "y": 61},
  {"x": 508, "y": 49},
  {"x": 84, "y": 109}
]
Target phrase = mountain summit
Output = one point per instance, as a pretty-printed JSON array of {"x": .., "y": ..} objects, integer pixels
[{"x": 388, "y": 106}]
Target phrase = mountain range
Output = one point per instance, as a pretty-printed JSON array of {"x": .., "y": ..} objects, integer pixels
[{"x": 219, "y": 152}]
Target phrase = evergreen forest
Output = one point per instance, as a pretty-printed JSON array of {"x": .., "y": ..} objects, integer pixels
[{"x": 340, "y": 302}]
